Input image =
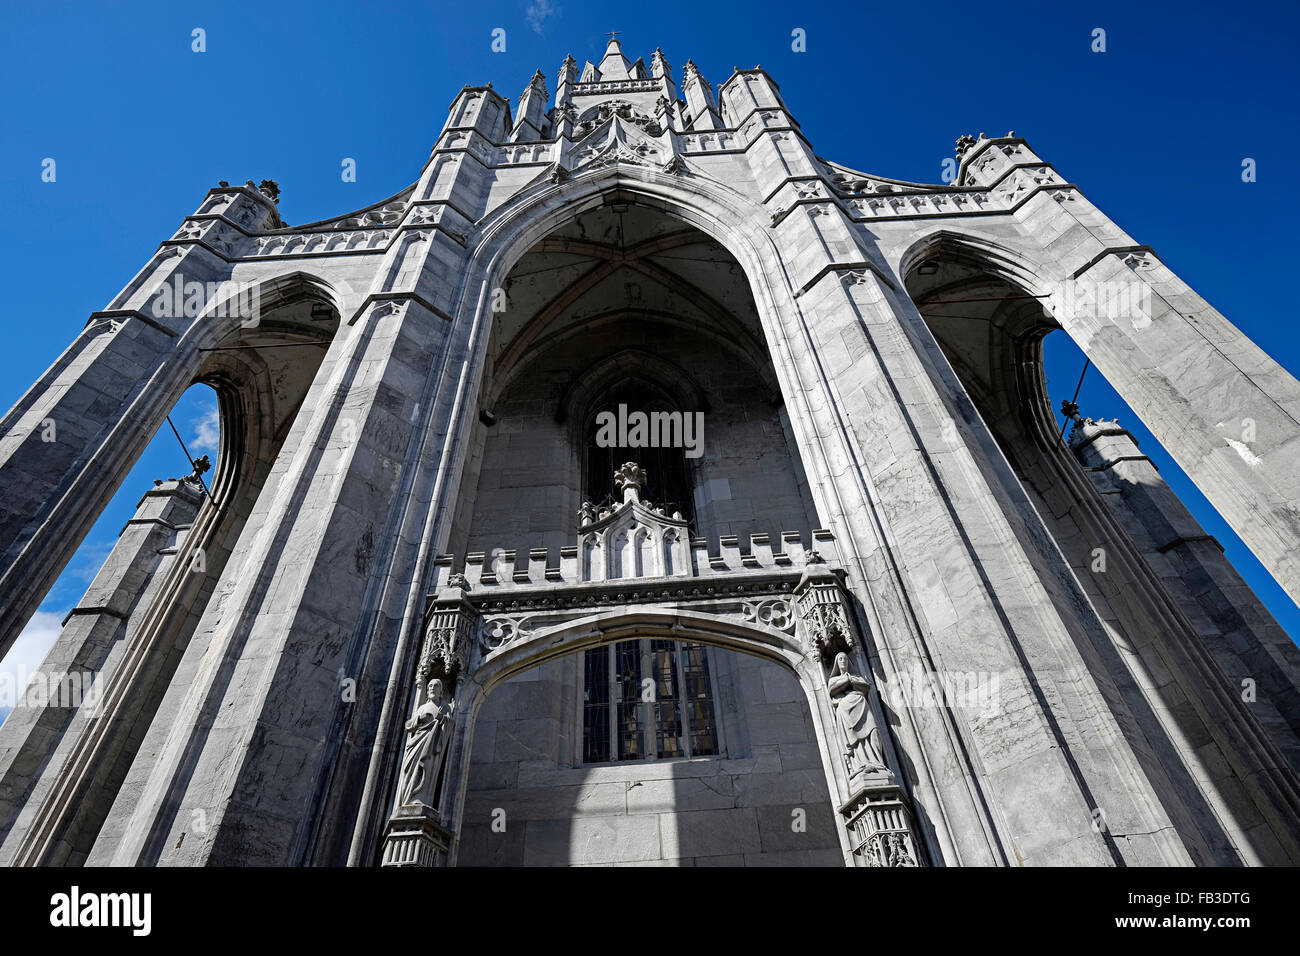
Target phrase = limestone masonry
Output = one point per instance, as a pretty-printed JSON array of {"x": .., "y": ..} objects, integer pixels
[{"x": 638, "y": 486}]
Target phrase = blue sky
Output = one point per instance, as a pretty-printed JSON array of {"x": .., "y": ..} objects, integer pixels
[{"x": 140, "y": 126}]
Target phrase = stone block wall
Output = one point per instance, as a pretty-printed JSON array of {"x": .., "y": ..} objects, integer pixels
[{"x": 736, "y": 809}]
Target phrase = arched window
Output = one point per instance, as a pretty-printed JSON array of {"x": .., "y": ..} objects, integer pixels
[
  {"x": 648, "y": 699},
  {"x": 668, "y": 480}
]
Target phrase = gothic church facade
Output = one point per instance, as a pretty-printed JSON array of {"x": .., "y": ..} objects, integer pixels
[{"x": 838, "y": 593}]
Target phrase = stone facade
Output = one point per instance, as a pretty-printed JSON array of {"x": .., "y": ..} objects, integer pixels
[{"x": 937, "y": 633}]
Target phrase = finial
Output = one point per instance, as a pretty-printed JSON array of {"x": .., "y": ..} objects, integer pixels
[{"x": 629, "y": 479}]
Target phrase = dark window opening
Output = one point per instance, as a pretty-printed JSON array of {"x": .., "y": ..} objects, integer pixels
[{"x": 668, "y": 482}]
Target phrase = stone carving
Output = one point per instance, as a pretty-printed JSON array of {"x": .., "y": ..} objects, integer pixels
[
  {"x": 444, "y": 651},
  {"x": 851, "y": 697},
  {"x": 623, "y": 110},
  {"x": 828, "y": 631},
  {"x": 498, "y": 632},
  {"x": 615, "y": 86},
  {"x": 426, "y": 744},
  {"x": 775, "y": 613},
  {"x": 889, "y": 849},
  {"x": 629, "y": 479},
  {"x": 964, "y": 143},
  {"x": 880, "y": 826},
  {"x": 675, "y": 166},
  {"x": 614, "y": 150},
  {"x": 385, "y": 215},
  {"x": 392, "y": 307}
]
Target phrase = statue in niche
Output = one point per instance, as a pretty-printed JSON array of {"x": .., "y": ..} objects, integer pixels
[
  {"x": 851, "y": 697},
  {"x": 426, "y": 744}
]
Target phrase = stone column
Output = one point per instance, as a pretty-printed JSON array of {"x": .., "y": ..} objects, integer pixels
[
  {"x": 297, "y": 650},
  {"x": 947, "y": 587},
  {"x": 1223, "y": 409},
  {"x": 69, "y": 441},
  {"x": 1259, "y": 660},
  {"x": 60, "y": 447},
  {"x": 37, "y": 737}
]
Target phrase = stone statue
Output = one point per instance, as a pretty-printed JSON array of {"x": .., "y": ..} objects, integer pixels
[
  {"x": 851, "y": 698},
  {"x": 426, "y": 743}
]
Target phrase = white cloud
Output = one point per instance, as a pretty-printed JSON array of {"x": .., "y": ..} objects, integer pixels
[
  {"x": 207, "y": 431},
  {"x": 538, "y": 12},
  {"x": 27, "y": 654},
  {"x": 81, "y": 570},
  {"x": 90, "y": 557}
]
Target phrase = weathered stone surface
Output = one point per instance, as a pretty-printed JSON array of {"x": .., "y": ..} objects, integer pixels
[{"x": 436, "y": 456}]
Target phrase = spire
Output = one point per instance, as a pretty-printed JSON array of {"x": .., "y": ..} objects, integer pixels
[
  {"x": 701, "y": 102},
  {"x": 568, "y": 74},
  {"x": 530, "y": 123},
  {"x": 659, "y": 64},
  {"x": 614, "y": 65}
]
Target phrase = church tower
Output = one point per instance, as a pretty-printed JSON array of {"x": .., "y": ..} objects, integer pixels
[{"x": 639, "y": 486}]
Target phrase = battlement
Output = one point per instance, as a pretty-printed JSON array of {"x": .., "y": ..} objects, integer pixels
[{"x": 513, "y": 570}]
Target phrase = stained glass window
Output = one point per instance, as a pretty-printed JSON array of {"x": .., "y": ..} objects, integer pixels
[{"x": 654, "y": 697}]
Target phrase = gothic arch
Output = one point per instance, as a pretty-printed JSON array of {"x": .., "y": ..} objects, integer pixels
[
  {"x": 670, "y": 376},
  {"x": 997, "y": 258},
  {"x": 604, "y": 628},
  {"x": 509, "y": 231},
  {"x": 1136, "y": 629},
  {"x": 498, "y": 241},
  {"x": 260, "y": 391},
  {"x": 91, "y": 479}
]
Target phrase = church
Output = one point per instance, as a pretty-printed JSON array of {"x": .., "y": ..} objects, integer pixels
[{"x": 640, "y": 487}]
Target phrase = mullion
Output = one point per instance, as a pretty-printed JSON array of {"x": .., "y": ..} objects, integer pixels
[{"x": 678, "y": 722}]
